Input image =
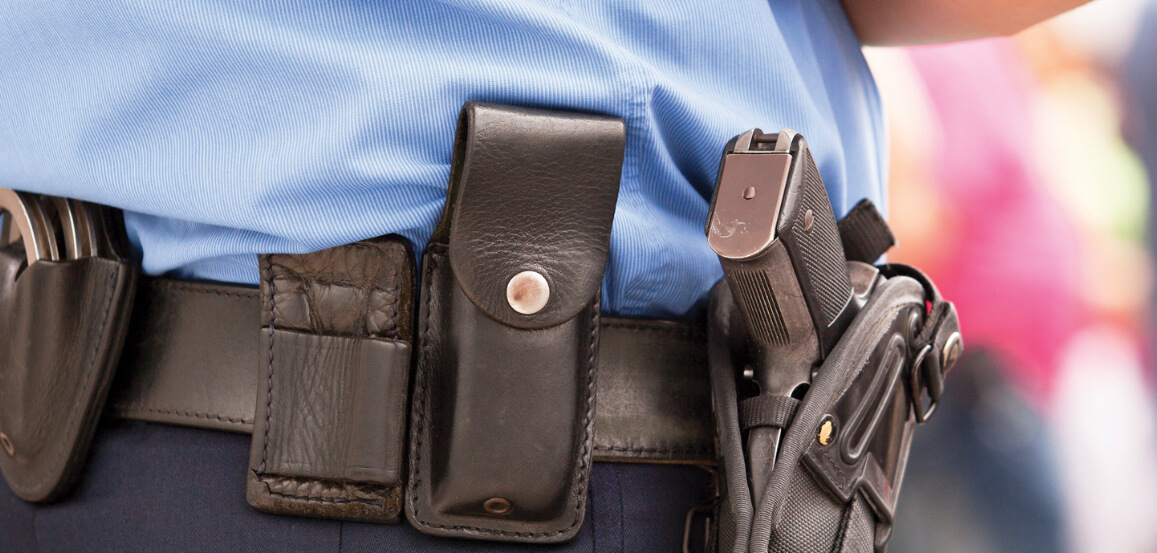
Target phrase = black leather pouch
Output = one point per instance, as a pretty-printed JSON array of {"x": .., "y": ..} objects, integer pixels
[
  {"x": 329, "y": 429},
  {"x": 62, "y": 326},
  {"x": 502, "y": 421}
]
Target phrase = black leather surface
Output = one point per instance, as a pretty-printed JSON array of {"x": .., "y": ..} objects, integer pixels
[
  {"x": 532, "y": 190},
  {"x": 502, "y": 426},
  {"x": 330, "y": 418},
  {"x": 498, "y": 414},
  {"x": 190, "y": 357},
  {"x": 339, "y": 407},
  {"x": 189, "y": 360},
  {"x": 652, "y": 399},
  {"x": 62, "y": 326}
]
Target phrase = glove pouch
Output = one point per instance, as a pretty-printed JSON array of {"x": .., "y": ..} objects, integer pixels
[{"x": 502, "y": 419}]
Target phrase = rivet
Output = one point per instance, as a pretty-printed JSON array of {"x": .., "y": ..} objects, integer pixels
[
  {"x": 7, "y": 443},
  {"x": 912, "y": 328},
  {"x": 809, "y": 220},
  {"x": 749, "y": 192},
  {"x": 952, "y": 350},
  {"x": 527, "y": 292},
  {"x": 827, "y": 430},
  {"x": 496, "y": 506}
]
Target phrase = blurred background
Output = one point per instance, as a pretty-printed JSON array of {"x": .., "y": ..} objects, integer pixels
[{"x": 1019, "y": 179}]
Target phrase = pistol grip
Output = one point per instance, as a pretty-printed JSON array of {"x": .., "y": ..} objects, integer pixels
[
  {"x": 807, "y": 227},
  {"x": 780, "y": 326}
]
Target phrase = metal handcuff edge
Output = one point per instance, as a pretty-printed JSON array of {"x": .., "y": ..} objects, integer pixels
[{"x": 27, "y": 212}]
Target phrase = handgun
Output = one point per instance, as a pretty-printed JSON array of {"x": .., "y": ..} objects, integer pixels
[{"x": 772, "y": 226}]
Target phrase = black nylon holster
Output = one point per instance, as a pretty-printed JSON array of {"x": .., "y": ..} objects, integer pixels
[{"x": 838, "y": 472}]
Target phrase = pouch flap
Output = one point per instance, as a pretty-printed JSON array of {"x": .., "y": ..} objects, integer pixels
[{"x": 531, "y": 190}]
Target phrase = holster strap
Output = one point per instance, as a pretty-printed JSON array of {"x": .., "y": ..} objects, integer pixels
[
  {"x": 864, "y": 233},
  {"x": 190, "y": 360}
]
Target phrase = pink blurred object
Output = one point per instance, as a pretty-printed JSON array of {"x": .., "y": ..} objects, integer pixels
[{"x": 1013, "y": 269}]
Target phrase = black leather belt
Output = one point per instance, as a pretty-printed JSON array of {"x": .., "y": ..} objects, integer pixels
[
  {"x": 471, "y": 397},
  {"x": 191, "y": 359}
]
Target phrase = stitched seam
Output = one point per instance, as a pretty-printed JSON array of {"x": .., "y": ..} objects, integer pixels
[
  {"x": 672, "y": 450},
  {"x": 339, "y": 500},
  {"x": 164, "y": 286},
  {"x": 657, "y": 329},
  {"x": 92, "y": 358},
  {"x": 269, "y": 391},
  {"x": 618, "y": 519},
  {"x": 842, "y": 532},
  {"x": 194, "y": 414},
  {"x": 419, "y": 399},
  {"x": 589, "y": 417},
  {"x": 36, "y": 530}
]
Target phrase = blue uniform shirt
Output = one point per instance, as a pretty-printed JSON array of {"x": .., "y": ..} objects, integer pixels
[{"x": 229, "y": 128}]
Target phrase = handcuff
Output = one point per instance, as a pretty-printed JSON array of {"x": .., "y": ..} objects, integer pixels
[{"x": 52, "y": 228}]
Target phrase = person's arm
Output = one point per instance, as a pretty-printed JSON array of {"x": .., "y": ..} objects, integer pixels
[{"x": 902, "y": 22}]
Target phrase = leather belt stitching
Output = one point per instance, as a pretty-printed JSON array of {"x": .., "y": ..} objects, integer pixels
[{"x": 179, "y": 413}]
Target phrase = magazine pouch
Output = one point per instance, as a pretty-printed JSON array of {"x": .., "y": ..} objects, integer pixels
[{"x": 330, "y": 420}]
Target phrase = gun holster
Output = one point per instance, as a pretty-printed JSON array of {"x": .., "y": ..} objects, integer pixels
[{"x": 837, "y": 475}]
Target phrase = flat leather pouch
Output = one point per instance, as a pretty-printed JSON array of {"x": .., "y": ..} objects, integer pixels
[
  {"x": 330, "y": 421},
  {"x": 502, "y": 418},
  {"x": 62, "y": 326}
]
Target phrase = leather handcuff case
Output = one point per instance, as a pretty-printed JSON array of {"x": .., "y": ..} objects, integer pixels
[
  {"x": 502, "y": 412},
  {"x": 62, "y": 327}
]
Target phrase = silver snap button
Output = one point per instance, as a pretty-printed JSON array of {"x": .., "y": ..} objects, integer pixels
[
  {"x": 527, "y": 292},
  {"x": 953, "y": 347}
]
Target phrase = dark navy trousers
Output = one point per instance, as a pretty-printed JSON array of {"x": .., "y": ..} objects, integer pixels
[{"x": 157, "y": 488}]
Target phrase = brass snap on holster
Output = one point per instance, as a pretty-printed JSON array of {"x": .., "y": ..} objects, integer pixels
[
  {"x": 502, "y": 424},
  {"x": 66, "y": 291}
]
